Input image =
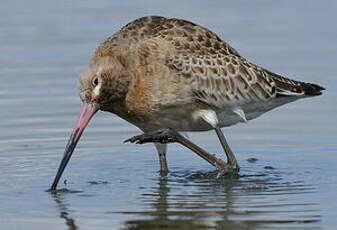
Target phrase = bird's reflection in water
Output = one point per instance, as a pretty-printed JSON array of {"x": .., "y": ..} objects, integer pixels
[
  {"x": 206, "y": 201},
  {"x": 64, "y": 211},
  {"x": 209, "y": 206},
  {"x": 203, "y": 200}
]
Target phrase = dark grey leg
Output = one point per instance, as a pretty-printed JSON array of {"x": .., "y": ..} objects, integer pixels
[
  {"x": 231, "y": 160},
  {"x": 169, "y": 136},
  {"x": 161, "y": 149}
]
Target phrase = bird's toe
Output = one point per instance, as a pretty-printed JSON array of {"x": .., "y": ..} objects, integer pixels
[{"x": 162, "y": 136}]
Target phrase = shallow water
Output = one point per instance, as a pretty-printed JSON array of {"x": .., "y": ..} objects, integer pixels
[{"x": 288, "y": 156}]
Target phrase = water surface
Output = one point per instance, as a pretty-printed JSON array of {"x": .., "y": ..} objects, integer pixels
[{"x": 288, "y": 156}]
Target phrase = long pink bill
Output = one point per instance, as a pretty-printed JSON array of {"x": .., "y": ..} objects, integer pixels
[{"x": 86, "y": 113}]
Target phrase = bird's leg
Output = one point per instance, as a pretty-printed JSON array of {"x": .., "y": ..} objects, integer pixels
[
  {"x": 161, "y": 149},
  {"x": 231, "y": 160},
  {"x": 210, "y": 117},
  {"x": 170, "y": 136}
]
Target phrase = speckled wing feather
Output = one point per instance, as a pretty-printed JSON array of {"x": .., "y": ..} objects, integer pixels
[
  {"x": 219, "y": 75},
  {"x": 225, "y": 80}
]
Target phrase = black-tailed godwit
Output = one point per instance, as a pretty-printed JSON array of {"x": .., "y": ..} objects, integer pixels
[{"x": 170, "y": 75}]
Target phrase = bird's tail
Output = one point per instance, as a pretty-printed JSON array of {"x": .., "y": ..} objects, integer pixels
[{"x": 289, "y": 87}]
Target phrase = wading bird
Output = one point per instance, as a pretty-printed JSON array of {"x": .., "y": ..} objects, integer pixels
[{"x": 170, "y": 75}]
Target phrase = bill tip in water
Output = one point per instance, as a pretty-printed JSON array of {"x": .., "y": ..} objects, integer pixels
[{"x": 62, "y": 190}]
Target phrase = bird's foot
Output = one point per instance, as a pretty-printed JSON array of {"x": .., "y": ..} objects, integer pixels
[
  {"x": 162, "y": 136},
  {"x": 226, "y": 167},
  {"x": 227, "y": 173},
  {"x": 233, "y": 169}
]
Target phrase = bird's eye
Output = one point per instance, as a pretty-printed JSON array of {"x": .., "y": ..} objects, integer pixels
[{"x": 95, "y": 81}]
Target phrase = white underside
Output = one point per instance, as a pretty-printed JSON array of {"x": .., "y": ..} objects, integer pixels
[{"x": 192, "y": 119}]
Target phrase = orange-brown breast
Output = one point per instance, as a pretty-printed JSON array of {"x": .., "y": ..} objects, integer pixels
[
  {"x": 138, "y": 98},
  {"x": 155, "y": 86}
]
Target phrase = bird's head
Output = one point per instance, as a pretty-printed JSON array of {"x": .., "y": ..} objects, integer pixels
[{"x": 102, "y": 85}]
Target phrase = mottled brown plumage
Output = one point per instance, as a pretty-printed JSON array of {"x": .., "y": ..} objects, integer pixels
[
  {"x": 160, "y": 73},
  {"x": 173, "y": 63}
]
